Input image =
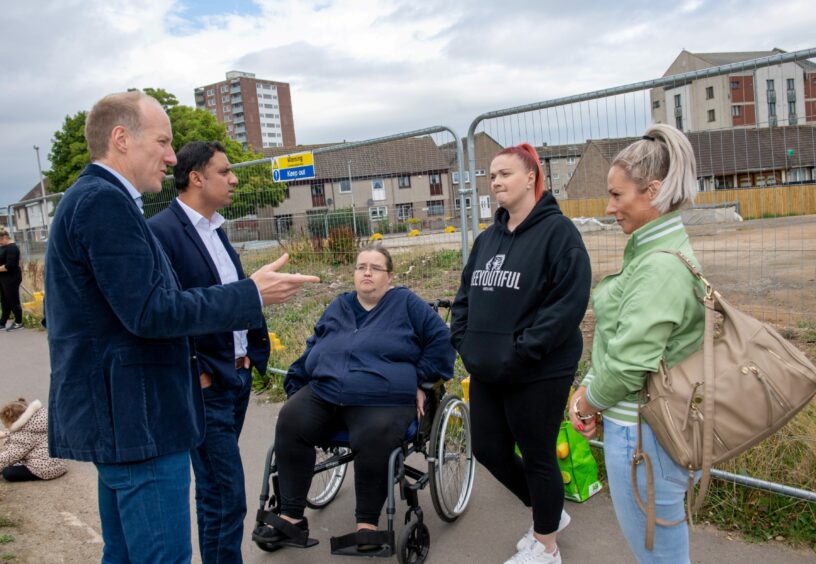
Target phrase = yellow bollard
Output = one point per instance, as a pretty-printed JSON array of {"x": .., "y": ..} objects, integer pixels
[{"x": 466, "y": 389}]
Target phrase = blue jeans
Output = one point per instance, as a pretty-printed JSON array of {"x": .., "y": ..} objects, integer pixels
[
  {"x": 671, "y": 544},
  {"x": 145, "y": 510},
  {"x": 219, "y": 474}
]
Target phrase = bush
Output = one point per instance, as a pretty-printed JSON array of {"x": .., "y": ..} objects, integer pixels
[
  {"x": 320, "y": 225},
  {"x": 342, "y": 245}
]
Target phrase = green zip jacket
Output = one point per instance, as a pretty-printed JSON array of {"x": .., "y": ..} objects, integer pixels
[{"x": 648, "y": 311}]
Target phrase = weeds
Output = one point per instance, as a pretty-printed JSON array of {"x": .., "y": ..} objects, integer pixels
[{"x": 6, "y": 539}]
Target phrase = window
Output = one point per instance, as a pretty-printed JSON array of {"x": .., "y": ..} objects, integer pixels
[
  {"x": 709, "y": 93},
  {"x": 378, "y": 212},
  {"x": 283, "y": 223},
  {"x": 736, "y": 111},
  {"x": 770, "y": 84},
  {"x": 479, "y": 172},
  {"x": 225, "y": 99},
  {"x": 436, "y": 207},
  {"x": 771, "y": 109},
  {"x": 211, "y": 101},
  {"x": 457, "y": 203},
  {"x": 318, "y": 196},
  {"x": 711, "y": 116},
  {"x": 404, "y": 181},
  {"x": 791, "y": 84},
  {"x": 345, "y": 186},
  {"x": 555, "y": 176},
  {"x": 792, "y": 107},
  {"x": 656, "y": 105},
  {"x": 405, "y": 211},
  {"x": 678, "y": 122},
  {"x": 435, "y": 181},
  {"x": 677, "y": 100},
  {"x": 211, "y": 92},
  {"x": 377, "y": 189},
  {"x": 456, "y": 177},
  {"x": 224, "y": 88},
  {"x": 570, "y": 160},
  {"x": 735, "y": 84}
]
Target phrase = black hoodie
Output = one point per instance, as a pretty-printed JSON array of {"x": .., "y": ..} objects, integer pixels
[{"x": 522, "y": 297}]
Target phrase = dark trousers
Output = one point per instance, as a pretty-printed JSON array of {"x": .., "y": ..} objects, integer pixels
[
  {"x": 10, "y": 298},
  {"x": 529, "y": 415},
  {"x": 219, "y": 474},
  {"x": 306, "y": 420},
  {"x": 19, "y": 473}
]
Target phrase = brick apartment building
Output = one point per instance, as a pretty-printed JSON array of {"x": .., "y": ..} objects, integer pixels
[
  {"x": 256, "y": 112},
  {"x": 771, "y": 96}
]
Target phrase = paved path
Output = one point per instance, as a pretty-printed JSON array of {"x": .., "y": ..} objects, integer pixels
[{"x": 59, "y": 522}]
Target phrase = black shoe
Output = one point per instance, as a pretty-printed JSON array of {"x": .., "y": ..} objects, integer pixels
[{"x": 284, "y": 533}]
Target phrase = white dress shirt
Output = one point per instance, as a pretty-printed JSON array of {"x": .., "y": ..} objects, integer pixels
[{"x": 220, "y": 257}]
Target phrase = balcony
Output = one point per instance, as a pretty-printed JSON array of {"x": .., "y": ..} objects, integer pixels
[
  {"x": 791, "y": 95},
  {"x": 678, "y": 111},
  {"x": 771, "y": 96},
  {"x": 792, "y": 119},
  {"x": 772, "y": 121},
  {"x": 236, "y": 89},
  {"x": 239, "y": 129}
]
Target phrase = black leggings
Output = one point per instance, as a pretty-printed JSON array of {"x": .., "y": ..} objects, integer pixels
[
  {"x": 10, "y": 298},
  {"x": 529, "y": 415},
  {"x": 19, "y": 473},
  {"x": 306, "y": 420}
]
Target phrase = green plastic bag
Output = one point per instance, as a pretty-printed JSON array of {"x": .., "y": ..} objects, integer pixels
[{"x": 578, "y": 467}]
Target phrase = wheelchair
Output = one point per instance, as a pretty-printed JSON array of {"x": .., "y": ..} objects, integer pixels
[{"x": 442, "y": 436}]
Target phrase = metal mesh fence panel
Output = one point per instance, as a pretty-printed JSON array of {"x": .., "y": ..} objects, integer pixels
[{"x": 753, "y": 130}]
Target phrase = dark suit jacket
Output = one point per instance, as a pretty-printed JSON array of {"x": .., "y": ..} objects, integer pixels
[
  {"x": 124, "y": 381},
  {"x": 195, "y": 269}
]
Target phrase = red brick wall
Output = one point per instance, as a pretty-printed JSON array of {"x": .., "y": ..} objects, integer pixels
[{"x": 742, "y": 89}]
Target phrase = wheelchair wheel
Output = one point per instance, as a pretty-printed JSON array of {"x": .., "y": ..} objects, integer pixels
[
  {"x": 452, "y": 465},
  {"x": 325, "y": 485},
  {"x": 414, "y": 543}
]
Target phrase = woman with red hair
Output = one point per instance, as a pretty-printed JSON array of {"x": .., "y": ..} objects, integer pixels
[{"x": 523, "y": 294}]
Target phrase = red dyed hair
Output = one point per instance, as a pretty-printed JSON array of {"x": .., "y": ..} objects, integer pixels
[{"x": 529, "y": 157}]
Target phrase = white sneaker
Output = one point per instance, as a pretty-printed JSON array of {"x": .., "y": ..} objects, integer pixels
[
  {"x": 527, "y": 540},
  {"x": 536, "y": 554}
]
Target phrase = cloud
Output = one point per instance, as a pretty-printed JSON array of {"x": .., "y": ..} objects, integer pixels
[{"x": 357, "y": 68}]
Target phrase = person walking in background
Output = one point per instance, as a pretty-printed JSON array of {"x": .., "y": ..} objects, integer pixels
[
  {"x": 190, "y": 233},
  {"x": 515, "y": 322},
  {"x": 25, "y": 455},
  {"x": 125, "y": 384},
  {"x": 646, "y": 313},
  {"x": 11, "y": 276}
]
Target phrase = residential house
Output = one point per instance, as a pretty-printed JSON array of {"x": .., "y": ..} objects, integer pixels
[
  {"x": 728, "y": 158},
  {"x": 392, "y": 182}
]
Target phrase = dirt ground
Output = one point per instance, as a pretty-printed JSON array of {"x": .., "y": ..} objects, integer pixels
[{"x": 765, "y": 266}]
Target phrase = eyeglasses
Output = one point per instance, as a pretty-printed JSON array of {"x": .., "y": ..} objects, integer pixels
[{"x": 373, "y": 267}]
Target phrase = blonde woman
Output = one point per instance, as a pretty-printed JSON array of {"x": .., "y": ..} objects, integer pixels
[{"x": 645, "y": 313}]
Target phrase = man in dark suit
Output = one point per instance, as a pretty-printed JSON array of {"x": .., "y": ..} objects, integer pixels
[
  {"x": 191, "y": 235},
  {"x": 125, "y": 391}
]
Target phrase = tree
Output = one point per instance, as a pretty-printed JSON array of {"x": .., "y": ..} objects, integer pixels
[{"x": 69, "y": 155}]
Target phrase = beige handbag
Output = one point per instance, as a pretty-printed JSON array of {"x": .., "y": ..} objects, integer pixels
[{"x": 744, "y": 384}]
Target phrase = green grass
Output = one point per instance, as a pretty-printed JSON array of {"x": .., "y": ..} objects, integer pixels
[
  {"x": 8, "y": 522},
  {"x": 6, "y": 539}
]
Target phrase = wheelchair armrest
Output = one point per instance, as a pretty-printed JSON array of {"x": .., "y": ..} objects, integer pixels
[{"x": 429, "y": 386}]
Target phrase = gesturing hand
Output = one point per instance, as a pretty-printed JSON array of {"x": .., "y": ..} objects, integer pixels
[{"x": 278, "y": 287}]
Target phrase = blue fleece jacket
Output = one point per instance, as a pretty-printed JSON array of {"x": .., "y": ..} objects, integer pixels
[{"x": 401, "y": 343}]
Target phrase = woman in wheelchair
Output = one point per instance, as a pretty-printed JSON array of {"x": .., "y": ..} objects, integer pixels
[{"x": 361, "y": 371}]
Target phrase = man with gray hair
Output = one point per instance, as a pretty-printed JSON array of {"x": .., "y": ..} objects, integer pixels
[{"x": 125, "y": 390}]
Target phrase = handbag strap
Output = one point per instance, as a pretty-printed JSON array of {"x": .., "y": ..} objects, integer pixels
[
  {"x": 695, "y": 501},
  {"x": 649, "y": 507}
]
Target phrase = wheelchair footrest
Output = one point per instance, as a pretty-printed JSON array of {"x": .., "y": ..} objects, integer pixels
[
  {"x": 282, "y": 533},
  {"x": 368, "y": 544}
]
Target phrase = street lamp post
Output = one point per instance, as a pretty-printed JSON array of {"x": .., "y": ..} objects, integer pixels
[
  {"x": 353, "y": 209},
  {"x": 44, "y": 205}
]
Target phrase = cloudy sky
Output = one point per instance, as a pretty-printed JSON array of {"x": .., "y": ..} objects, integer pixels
[{"x": 357, "y": 68}]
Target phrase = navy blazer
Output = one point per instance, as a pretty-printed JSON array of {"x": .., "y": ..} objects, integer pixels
[
  {"x": 195, "y": 269},
  {"x": 124, "y": 381}
]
